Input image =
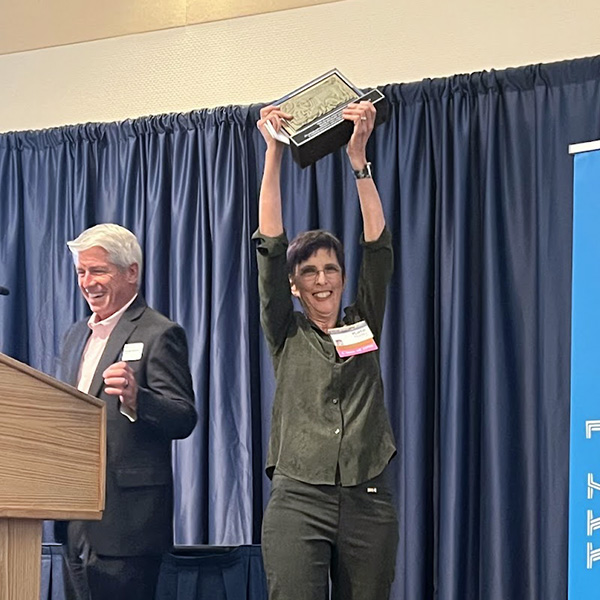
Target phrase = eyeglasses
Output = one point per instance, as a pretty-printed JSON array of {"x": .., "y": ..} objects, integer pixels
[{"x": 310, "y": 274}]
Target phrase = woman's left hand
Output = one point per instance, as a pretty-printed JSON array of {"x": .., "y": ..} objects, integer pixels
[{"x": 362, "y": 114}]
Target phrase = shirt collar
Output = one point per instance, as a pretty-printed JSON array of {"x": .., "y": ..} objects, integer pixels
[{"x": 111, "y": 321}]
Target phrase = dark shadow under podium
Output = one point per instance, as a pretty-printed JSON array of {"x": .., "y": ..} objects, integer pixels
[{"x": 187, "y": 573}]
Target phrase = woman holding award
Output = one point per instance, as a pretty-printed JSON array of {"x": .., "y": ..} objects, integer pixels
[{"x": 330, "y": 514}]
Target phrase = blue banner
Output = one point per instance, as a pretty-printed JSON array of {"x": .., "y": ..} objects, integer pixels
[{"x": 584, "y": 484}]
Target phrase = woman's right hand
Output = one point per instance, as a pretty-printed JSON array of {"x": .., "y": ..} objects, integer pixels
[
  {"x": 274, "y": 115},
  {"x": 270, "y": 219}
]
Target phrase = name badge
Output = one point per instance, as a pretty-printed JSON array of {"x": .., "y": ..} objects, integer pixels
[
  {"x": 132, "y": 351},
  {"x": 353, "y": 339}
]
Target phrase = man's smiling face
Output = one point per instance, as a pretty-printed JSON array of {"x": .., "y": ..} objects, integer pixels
[{"x": 105, "y": 286}]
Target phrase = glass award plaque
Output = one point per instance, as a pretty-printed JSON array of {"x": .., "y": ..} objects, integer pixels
[{"x": 317, "y": 127}]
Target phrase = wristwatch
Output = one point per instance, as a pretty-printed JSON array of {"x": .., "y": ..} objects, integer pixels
[{"x": 364, "y": 173}]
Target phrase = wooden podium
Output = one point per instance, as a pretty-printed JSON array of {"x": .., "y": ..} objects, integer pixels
[{"x": 52, "y": 466}]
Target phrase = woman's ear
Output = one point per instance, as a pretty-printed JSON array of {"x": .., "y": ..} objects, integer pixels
[{"x": 294, "y": 289}]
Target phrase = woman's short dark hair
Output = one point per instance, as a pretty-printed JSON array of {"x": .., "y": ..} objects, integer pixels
[{"x": 304, "y": 245}]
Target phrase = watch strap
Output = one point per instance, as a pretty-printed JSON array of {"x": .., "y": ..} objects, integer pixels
[{"x": 364, "y": 173}]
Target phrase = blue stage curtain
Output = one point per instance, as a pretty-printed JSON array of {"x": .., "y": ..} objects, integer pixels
[
  {"x": 52, "y": 573},
  {"x": 476, "y": 183}
]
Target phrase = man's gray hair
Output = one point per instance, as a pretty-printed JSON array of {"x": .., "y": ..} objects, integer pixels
[{"x": 121, "y": 245}]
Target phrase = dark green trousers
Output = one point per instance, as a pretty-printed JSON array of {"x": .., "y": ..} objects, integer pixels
[{"x": 316, "y": 533}]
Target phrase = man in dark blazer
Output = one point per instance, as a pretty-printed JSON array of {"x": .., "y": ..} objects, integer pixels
[{"x": 136, "y": 360}]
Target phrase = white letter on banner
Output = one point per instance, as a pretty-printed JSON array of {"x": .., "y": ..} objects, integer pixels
[
  {"x": 592, "y": 524},
  {"x": 592, "y": 485},
  {"x": 592, "y": 555},
  {"x": 591, "y": 426}
]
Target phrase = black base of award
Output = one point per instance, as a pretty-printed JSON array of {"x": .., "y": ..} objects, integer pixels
[{"x": 317, "y": 127}]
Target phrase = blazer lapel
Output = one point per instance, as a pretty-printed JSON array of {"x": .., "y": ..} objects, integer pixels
[
  {"x": 120, "y": 334},
  {"x": 74, "y": 363}
]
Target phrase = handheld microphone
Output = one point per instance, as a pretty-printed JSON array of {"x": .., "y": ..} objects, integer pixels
[{"x": 4, "y": 291}]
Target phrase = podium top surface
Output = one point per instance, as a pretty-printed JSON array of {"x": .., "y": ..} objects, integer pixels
[{"x": 48, "y": 380}]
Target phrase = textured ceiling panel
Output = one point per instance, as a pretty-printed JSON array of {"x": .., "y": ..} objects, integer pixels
[
  {"x": 31, "y": 24},
  {"x": 199, "y": 11}
]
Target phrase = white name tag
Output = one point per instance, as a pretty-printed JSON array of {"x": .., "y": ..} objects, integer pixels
[
  {"x": 132, "y": 351},
  {"x": 353, "y": 339}
]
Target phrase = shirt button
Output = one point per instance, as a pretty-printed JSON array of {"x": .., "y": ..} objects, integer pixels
[
  {"x": 337, "y": 431},
  {"x": 335, "y": 400}
]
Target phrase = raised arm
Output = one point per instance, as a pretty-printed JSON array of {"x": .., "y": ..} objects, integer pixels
[
  {"x": 362, "y": 114},
  {"x": 270, "y": 219}
]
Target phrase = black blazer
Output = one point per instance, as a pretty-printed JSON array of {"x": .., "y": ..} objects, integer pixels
[{"x": 139, "y": 483}]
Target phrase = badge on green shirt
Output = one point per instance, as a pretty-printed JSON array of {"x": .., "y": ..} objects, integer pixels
[{"x": 353, "y": 339}]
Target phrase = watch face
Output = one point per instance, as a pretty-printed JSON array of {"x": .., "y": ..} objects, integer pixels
[{"x": 364, "y": 173}]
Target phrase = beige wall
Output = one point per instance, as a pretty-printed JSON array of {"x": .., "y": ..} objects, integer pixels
[{"x": 259, "y": 58}]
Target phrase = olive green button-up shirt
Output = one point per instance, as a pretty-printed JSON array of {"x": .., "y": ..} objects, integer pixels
[{"x": 328, "y": 412}]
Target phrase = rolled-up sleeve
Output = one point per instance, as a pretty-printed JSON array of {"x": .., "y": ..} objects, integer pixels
[
  {"x": 376, "y": 271},
  {"x": 274, "y": 288}
]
